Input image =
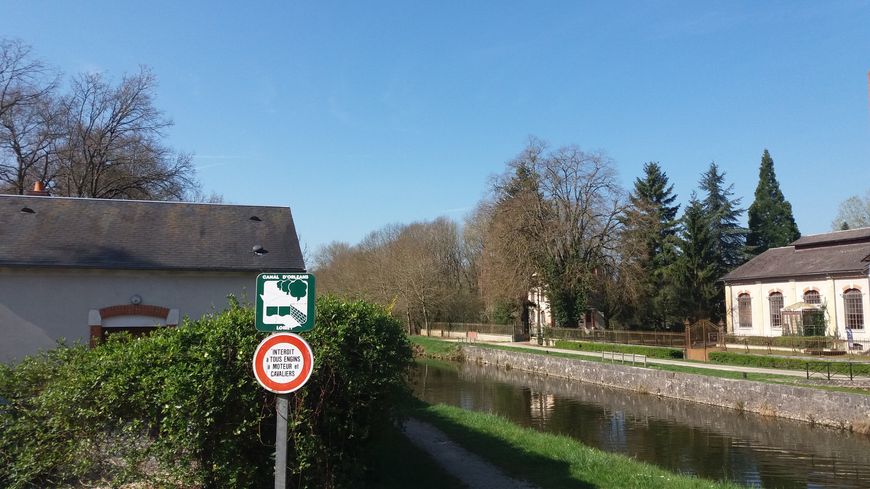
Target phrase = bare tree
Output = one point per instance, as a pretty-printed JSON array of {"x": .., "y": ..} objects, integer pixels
[
  {"x": 23, "y": 78},
  {"x": 113, "y": 145},
  {"x": 428, "y": 262},
  {"x": 99, "y": 140},
  {"x": 507, "y": 257},
  {"x": 29, "y": 141},
  {"x": 332, "y": 264},
  {"x": 854, "y": 212},
  {"x": 472, "y": 246},
  {"x": 28, "y": 118},
  {"x": 417, "y": 270},
  {"x": 557, "y": 216}
]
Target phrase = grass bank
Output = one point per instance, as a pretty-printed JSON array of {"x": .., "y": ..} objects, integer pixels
[
  {"x": 649, "y": 351},
  {"x": 547, "y": 460},
  {"x": 425, "y": 346}
]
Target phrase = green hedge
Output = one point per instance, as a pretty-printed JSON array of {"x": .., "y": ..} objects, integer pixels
[
  {"x": 766, "y": 361},
  {"x": 649, "y": 351},
  {"x": 181, "y": 408}
]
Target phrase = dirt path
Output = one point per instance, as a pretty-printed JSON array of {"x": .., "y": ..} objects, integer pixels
[{"x": 472, "y": 470}]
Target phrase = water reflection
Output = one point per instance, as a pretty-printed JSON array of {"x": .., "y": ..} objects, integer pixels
[{"x": 684, "y": 437}]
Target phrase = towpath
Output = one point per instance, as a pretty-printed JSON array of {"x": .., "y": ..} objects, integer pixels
[{"x": 469, "y": 468}]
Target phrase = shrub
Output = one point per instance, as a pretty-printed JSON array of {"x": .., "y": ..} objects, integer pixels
[
  {"x": 766, "y": 361},
  {"x": 181, "y": 407},
  {"x": 649, "y": 351}
]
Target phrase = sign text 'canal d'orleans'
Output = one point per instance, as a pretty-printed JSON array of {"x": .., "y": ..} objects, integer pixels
[{"x": 285, "y": 302}]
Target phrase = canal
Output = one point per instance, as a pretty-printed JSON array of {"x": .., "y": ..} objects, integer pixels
[{"x": 684, "y": 437}]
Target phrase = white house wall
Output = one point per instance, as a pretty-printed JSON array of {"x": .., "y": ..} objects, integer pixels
[
  {"x": 831, "y": 293},
  {"x": 540, "y": 314},
  {"x": 39, "y": 306},
  {"x": 841, "y": 286}
]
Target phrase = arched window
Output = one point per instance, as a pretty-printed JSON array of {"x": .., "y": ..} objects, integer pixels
[
  {"x": 136, "y": 319},
  {"x": 812, "y": 297},
  {"x": 854, "y": 308},
  {"x": 776, "y": 304},
  {"x": 744, "y": 310}
]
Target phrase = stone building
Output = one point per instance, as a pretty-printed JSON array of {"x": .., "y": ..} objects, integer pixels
[
  {"x": 81, "y": 268},
  {"x": 541, "y": 314},
  {"x": 817, "y": 285}
]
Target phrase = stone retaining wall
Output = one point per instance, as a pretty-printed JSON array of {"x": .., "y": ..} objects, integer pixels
[{"x": 837, "y": 409}]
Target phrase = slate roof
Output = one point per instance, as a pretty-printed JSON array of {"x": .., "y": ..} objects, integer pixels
[
  {"x": 821, "y": 254},
  {"x": 127, "y": 234},
  {"x": 836, "y": 237}
]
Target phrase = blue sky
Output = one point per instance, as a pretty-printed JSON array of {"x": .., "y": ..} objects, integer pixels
[{"x": 361, "y": 114}]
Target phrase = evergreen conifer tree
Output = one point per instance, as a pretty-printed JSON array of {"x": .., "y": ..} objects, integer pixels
[
  {"x": 723, "y": 213},
  {"x": 651, "y": 223},
  {"x": 694, "y": 273},
  {"x": 771, "y": 223}
]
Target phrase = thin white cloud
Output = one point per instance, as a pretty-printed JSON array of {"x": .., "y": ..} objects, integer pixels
[
  {"x": 216, "y": 160},
  {"x": 220, "y": 157},
  {"x": 455, "y": 210},
  {"x": 91, "y": 68},
  {"x": 212, "y": 165}
]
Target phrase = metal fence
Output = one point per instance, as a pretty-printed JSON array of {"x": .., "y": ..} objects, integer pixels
[
  {"x": 479, "y": 328},
  {"x": 830, "y": 370},
  {"x": 795, "y": 343},
  {"x": 630, "y": 358},
  {"x": 646, "y": 338}
]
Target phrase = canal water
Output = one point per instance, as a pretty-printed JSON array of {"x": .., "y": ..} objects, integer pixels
[{"x": 684, "y": 437}]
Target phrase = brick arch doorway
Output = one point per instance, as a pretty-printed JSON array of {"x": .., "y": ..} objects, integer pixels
[{"x": 136, "y": 319}]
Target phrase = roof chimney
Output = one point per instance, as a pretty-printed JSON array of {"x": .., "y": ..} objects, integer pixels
[{"x": 38, "y": 189}]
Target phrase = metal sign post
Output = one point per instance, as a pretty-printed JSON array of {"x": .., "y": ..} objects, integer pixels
[
  {"x": 282, "y": 364},
  {"x": 281, "y": 407}
]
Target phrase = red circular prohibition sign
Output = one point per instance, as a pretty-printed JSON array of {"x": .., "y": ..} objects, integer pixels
[{"x": 296, "y": 382}]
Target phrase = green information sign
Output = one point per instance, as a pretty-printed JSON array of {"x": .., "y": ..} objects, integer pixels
[{"x": 285, "y": 302}]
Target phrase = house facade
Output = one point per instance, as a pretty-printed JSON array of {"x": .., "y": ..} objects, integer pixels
[
  {"x": 80, "y": 269},
  {"x": 817, "y": 285},
  {"x": 541, "y": 314}
]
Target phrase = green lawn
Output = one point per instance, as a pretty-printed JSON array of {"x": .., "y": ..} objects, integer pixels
[
  {"x": 547, "y": 460},
  {"x": 435, "y": 347},
  {"x": 649, "y": 351},
  {"x": 796, "y": 363}
]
